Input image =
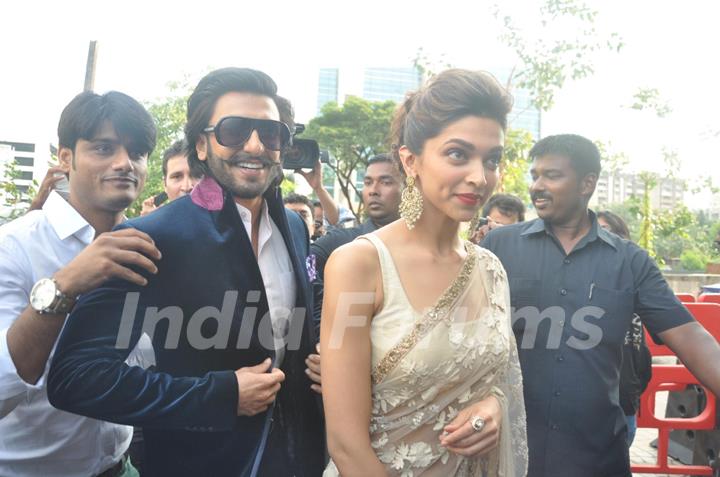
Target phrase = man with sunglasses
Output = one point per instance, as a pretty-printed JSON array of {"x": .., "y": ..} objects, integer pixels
[{"x": 228, "y": 396}]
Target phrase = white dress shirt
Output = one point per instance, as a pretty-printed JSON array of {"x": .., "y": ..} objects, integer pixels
[
  {"x": 35, "y": 438},
  {"x": 276, "y": 269}
]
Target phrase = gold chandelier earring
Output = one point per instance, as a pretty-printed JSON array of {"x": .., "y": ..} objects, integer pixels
[{"x": 411, "y": 205}]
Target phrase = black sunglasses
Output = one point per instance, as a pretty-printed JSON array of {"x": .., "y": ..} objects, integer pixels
[{"x": 234, "y": 131}]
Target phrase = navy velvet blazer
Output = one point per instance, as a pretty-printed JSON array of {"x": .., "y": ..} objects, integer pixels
[{"x": 187, "y": 406}]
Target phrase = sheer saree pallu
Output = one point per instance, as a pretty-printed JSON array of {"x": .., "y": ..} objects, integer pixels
[{"x": 429, "y": 366}]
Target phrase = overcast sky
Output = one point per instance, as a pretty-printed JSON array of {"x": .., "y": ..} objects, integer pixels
[{"x": 671, "y": 46}]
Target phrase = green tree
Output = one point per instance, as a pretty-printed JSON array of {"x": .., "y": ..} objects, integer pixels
[
  {"x": 16, "y": 202},
  {"x": 693, "y": 260},
  {"x": 649, "y": 98},
  {"x": 288, "y": 184},
  {"x": 515, "y": 164},
  {"x": 666, "y": 234},
  {"x": 646, "y": 214},
  {"x": 660, "y": 232},
  {"x": 547, "y": 61},
  {"x": 612, "y": 161},
  {"x": 352, "y": 133},
  {"x": 427, "y": 65}
]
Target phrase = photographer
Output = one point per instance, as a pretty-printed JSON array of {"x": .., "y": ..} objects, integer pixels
[
  {"x": 501, "y": 209},
  {"x": 314, "y": 179},
  {"x": 296, "y": 159}
]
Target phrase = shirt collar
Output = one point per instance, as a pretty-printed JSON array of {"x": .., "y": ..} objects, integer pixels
[
  {"x": 65, "y": 220},
  {"x": 596, "y": 232},
  {"x": 265, "y": 230},
  {"x": 535, "y": 227},
  {"x": 607, "y": 237}
]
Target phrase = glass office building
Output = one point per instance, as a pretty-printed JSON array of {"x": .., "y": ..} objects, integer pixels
[
  {"x": 327, "y": 87},
  {"x": 381, "y": 84}
]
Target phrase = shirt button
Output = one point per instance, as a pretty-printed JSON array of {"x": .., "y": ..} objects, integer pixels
[
  {"x": 560, "y": 358},
  {"x": 566, "y": 261},
  {"x": 563, "y": 292},
  {"x": 556, "y": 393},
  {"x": 554, "y": 427}
]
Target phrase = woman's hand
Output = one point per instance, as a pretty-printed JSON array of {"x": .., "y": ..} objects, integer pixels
[{"x": 459, "y": 436}]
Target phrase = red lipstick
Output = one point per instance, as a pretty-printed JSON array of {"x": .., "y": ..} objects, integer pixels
[{"x": 469, "y": 199}]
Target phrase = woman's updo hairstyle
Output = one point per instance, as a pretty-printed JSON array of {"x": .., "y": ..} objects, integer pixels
[{"x": 446, "y": 98}]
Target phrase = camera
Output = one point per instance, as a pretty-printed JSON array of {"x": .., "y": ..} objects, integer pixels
[
  {"x": 481, "y": 221},
  {"x": 303, "y": 153},
  {"x": 159, "y": 199}
]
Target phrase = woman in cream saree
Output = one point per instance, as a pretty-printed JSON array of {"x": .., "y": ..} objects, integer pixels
[
  {"x": 444, "y": 387},
  {"x": 460, "y": 351}
]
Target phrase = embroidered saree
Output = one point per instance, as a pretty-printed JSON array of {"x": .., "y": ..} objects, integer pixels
[{"x": 427, "y": 367}]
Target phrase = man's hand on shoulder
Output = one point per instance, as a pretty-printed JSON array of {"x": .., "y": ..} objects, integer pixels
[{"x": 109, "y": 256}]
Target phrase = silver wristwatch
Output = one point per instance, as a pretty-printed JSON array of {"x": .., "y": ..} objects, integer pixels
[{"x": 46, "y": 297}]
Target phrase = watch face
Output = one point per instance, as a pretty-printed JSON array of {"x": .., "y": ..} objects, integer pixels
[{"x": 42, "y": 294}]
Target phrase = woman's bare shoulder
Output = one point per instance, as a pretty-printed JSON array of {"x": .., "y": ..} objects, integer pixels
[{"x": 357, "y": 259}]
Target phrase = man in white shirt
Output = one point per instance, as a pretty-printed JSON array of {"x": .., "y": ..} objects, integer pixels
[{"x": 47, "y": 259}]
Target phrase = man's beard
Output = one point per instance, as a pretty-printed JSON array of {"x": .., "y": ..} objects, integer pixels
[{"x": 221, "y": 171}]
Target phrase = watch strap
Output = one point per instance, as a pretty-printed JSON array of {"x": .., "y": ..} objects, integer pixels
[{"x": 62, "y": 304}]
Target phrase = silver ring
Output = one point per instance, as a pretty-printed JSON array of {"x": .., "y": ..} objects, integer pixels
[{"x": 477, "y": 423}]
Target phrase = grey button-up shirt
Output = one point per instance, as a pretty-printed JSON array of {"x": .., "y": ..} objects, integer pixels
[{"x": 570, "y": 316}]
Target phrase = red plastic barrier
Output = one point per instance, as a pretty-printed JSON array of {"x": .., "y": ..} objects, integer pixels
[
  {"x": 709, "y": 298},
  {"x": 686, "y": 297},
  {"x": 673, "y": 378},
  {"x": 707, "y": 314}
]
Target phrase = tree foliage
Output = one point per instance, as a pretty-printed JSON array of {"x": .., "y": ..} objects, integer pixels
[
  {"x": 647, "y": 218},
  {"x": 169, "y": 114},
  {"x": 649, "y": 99},
  {"x": 16, "y": 202},
  {"x": 516, "y": 164},
  {"x": 672, "y": 233},
  {"x": 612, "y": 161},
  {"x": 546, "y": 60},
  {"x": 428, "y": 65},
  {"x": 352, "y": 133}
]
